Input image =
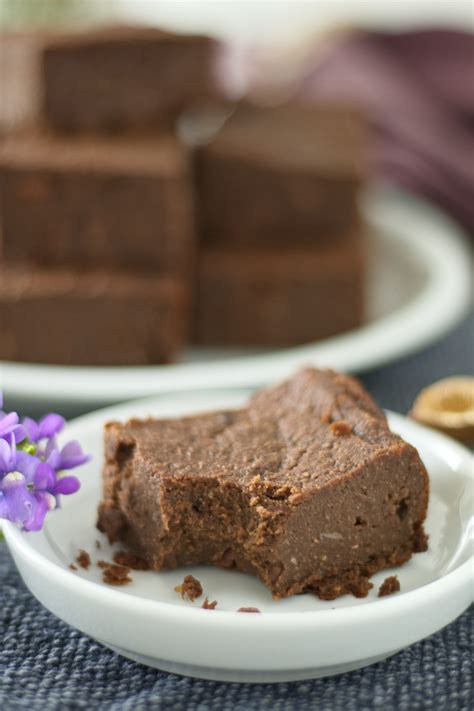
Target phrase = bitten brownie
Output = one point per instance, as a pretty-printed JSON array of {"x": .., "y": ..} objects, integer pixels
[
  {"x": 306, "y": 487},
  {"x": 281, "y": 176},
  {"x": 278, "y": 297},
  {"x": 94, "y": 318},
  {"x": 107, "y": 202}
]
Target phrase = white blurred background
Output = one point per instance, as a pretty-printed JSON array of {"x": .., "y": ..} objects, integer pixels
[{"x": 266, "y": 21}]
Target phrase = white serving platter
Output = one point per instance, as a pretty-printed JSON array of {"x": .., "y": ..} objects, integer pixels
[{"x": 420, "y": 281}]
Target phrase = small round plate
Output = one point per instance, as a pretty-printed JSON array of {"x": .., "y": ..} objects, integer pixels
[
  {"x": 298, "y": 638},
  {"x": 419, "y": 286}
]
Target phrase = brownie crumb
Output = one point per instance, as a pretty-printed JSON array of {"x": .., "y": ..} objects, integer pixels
[
  {"x": 248, "y": 609},
  {"x": 209, "y": 605},
  {"x": 389, "y": 586},
  {"x": 130, "y": 560},
  {"x": 104, "y": 564},
  {"x": 351, "y": 582},
  {"x": 190, "y": 588},
  {"x": 116, "y": 575},
  {"x": 341, "y": 428},
  {"x": 98, "y": 545},
  {"x": 72, "y": 566},
  {"x": 84, "y": 559}
]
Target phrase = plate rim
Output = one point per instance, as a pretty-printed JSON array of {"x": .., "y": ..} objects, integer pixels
[
  {"x": 455, "y": 579},
  {"x": 447, "y": 293}
]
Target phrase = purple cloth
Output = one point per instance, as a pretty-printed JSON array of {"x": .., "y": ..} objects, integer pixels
[{"x": 418, "y": 90}]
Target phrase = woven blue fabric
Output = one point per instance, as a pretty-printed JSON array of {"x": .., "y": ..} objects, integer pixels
[{"x": 44, "y": 664}]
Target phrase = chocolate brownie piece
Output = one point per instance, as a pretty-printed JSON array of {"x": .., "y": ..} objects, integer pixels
[
  {"x": 90, "y": 318},
  {"x": 306, "y": 487},
  {"x": 282, "y": 176},
  {"x": 279, "y": 297},
  {"x": 113, "y": 202},
  {"x": 124, "y": 76}
]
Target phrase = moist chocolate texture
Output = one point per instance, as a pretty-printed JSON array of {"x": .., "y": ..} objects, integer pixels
[{"x": 306, "y": 488}]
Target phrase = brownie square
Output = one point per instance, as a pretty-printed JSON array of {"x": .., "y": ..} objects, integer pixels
[
  {"x": 278, "y": 297},
  {"x": 284, "y": 176},
  {"x": 96, "y": 201},
  {"x": 98, "y": 317},
  {"x": 124, "y": 76},
  {"x": 305, "y": 487}
]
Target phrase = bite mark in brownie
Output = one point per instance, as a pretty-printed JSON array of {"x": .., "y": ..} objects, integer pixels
[{"x": 271, "y": 489}]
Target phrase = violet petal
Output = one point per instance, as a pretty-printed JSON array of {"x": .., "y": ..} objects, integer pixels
[
  {"x": 8, "y": 423},
  {"x": 73, "y": 456},
  {"x": 38, "y": 512},
  {"x": 16, "y": 502},
  {"x": 51, "y": 424},
  {"x": 45, "y": 478},
  {"x": 7, "y": 456},
  {"x": 27, "y": 464},
  {"x": 66, "y": 485},
  {"x": 31, "y": 428}
]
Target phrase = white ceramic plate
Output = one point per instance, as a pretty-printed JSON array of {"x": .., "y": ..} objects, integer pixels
[
  {"x": 298, "y": 638},
  {"x": 419, "y": 286}
]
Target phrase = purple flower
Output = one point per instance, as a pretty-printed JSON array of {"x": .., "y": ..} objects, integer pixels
[
  {"x": 9, "y": 424},
  {"x": 29, "y": 487},
  {"x": 17, "y": 471},
  {"x": 30, "y": 473},
  {"x": 46, "y": 488},
  {"x": 16, "y": 502},
  {"x": 49, "y": 426},
  {"x": 69, "y": 457}
]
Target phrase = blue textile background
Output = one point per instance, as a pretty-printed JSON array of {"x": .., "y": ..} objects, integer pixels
[{"x": 44, "y": 664}]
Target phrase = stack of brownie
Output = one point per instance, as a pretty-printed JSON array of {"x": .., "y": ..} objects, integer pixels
[
  {"x": 281, "y": 259},
  {"x": 120, "y": 243},
  {"x": 96, "y": 195}
]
